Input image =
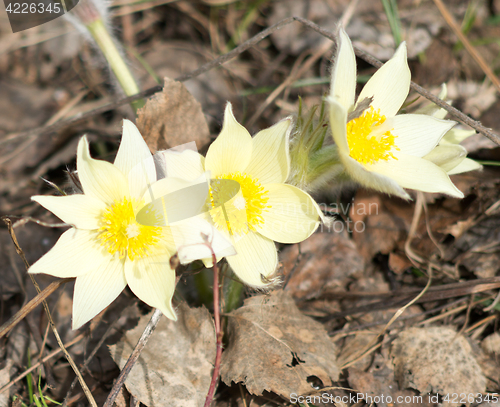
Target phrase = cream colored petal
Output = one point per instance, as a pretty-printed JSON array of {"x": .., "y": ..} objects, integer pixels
[
  {"x": 135, "y": 160},
  {"x": 100, "y": 179},
  {"x": 187, "y": 164},
  {"x": 78, "y": 210},
  {"x": 343, "y": 79},
  {"x": 197, "y": 237},
  {"x": 417, "y": 173},
  {"x": 389, "y": 86},
  {"x": 75, "y": 253},
  {"x": 173, "y": 199},
  {"x": 292, "y": 217},
  {"x": 456, "y": 136},
  {"x": 418, "y": 134},
  {"x": 153, "y": 281},
  {"x": 270, "y": 154},
  {"x": 465, "y": 166},
  {"x": 368, "y": 179},
  {"x": 447, "y": 156},
  {"x": 256, "y": 260},
  {"x": 94, "y": 291},
  {"x": 232, "y": 149},
  {"x": 338, "y": 120}
]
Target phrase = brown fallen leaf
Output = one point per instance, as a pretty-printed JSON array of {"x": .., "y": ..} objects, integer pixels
[
  {"x": 437, "y": 360},
  {"x": 328, "y": 261},
  {"x": 172, "y": 118},
  {"x": 175, "y": 367},
  {"x": 377, "y": 384},
  {"x": 274, "y": 347}
]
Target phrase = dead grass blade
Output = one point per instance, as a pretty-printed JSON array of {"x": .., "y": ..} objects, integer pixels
[
  {"x": 30, "y": 306},
  {"x": 468, "y": 46},
  {"x": 39, "y": 363},
  {"x": 373, "y": 345}
]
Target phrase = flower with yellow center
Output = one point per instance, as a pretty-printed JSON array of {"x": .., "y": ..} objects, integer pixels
[
  {"x": 249, "y": 201},
  {"x": 106, "y": 248},
  {"x": 379, "y": 149}
]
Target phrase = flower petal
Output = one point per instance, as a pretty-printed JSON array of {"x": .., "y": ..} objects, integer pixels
[
  {"x": 135, "y": 160},
  {"x": 416, "y": 173},
  {"x": 465, "y": 166},
  {"x": 232, "y": 149},
  {"x": 172, "y": 200},
  {"x": 256, "y": 260},
  {"x": 447, "y": 156},
  {"x": 456, "y": 136},
  {"x": 153, "y": 280},
  {"x": 270, "y": 155},
  {"x": 75, "y": 253},
  {"x": 343, "y": 80},
  {"x": 361, "y": 175},
  {"x": 192, "y": 236},
  {"x": 187, "y": 164},
  {"x": 389, "y": 86},
  {"x": 78, "y": 210},
  {"x": 94, "y": 291},
  {"x": 418, "y": 134},
  {"x": 100, "y": 179},
  {"x": 292, "y": 217},
  {"x": 338, "y": 120}
]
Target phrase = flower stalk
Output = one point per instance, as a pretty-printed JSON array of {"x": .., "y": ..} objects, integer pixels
[
  {"x": 108, "y": 47},
  {"x": 88, "y": 18}
]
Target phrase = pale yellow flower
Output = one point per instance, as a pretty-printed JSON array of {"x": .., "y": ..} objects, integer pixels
[
  {"x": 106, "y": 248},
  {"x": 379, "y": 149},
  {"x": 249, "y": 201}
]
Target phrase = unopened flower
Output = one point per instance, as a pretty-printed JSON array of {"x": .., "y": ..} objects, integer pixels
[
  {"x": 449, "y": 154},
  {"x": 107, "y": 248},
  {"x": 379, "y": 149},
  {"x": 249, "y": 201}
]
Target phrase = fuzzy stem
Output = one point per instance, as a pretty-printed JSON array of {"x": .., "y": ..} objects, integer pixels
[
  {"x": 218, "y": 331},
  {"x": 108, "y": 47}
]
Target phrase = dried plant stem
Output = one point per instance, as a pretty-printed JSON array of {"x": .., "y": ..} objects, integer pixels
[
  {"x": 72, "y": 363},
  {"x": 218, "y": 331},
  {"x": 89, "y": 359},
  {"x": 41, "y": 131},
  {"x": 464, "y": 119},
  {"x": 30, "y": 306},
  {"x": 153, "y": 322}
]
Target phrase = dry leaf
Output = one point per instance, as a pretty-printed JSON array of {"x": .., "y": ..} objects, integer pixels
[
  {"x": 274, "y": 347},
  {"x": 328, "y": 262},
  {"x": 436, "y": 360},
  {"x": 379, "y": 380},
  {"x": 175, "y": 367},
  {"x": 172, "y": 118}
]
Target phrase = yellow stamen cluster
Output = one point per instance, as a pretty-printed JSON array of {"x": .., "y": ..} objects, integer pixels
[
  {"x": 237, "y": 206},
  {"x": 120, "y": 233},
  {"x": 364, "y": 147}
]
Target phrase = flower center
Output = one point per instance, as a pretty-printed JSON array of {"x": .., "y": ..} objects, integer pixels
[
  {"x": 366, "y": 147},
  {"x": 120, "y": 233},
  {"x": 237, "y": 206}
]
